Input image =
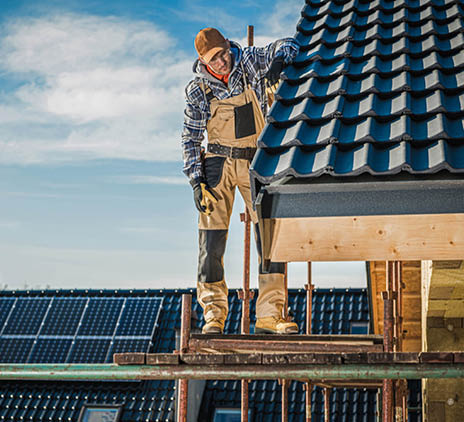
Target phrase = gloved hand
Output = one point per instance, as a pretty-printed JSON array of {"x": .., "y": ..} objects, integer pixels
[
  {"x": 202, "y": 194},
  {"x": 273, "y": 74}
]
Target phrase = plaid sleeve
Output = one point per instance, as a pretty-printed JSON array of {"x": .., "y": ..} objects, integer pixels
[
  {"x": 263, "y": 56},
  {"x": 196, "y": 115}
]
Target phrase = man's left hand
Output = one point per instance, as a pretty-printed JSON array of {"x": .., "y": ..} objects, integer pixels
[{"x": 273, "y": 74}]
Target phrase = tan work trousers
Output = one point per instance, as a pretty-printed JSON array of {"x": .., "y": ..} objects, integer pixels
[{"x": 224, "y": 175}]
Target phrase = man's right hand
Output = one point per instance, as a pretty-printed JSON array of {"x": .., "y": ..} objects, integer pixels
[{"x": 202, "y": 196}]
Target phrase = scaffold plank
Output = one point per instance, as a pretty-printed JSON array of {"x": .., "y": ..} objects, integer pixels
[
  {"x": 162, "y": 359},
  {"x": 129, "y": 358},
  {"x": 301, "y": 358},
  {"x": 436, "y": 357},
  {"x": 277, "y": 345}
]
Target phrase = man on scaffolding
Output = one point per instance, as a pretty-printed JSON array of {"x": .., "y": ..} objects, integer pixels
[{"x": 227, "y": 98}]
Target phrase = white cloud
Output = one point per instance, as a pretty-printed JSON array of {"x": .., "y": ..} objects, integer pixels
[
  {"x": 279, "y": 22},
  {"x": 92, "y": 87},
  {"x": 102, "y": 87}
]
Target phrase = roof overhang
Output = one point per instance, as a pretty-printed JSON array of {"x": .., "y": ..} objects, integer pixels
[{"x": 362, "y": 219}]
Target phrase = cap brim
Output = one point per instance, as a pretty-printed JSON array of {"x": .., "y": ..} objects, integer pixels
[{"x": 211, "y": 53}]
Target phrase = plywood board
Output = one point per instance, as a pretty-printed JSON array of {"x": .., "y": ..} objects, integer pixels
[{"x": 366, "y": 238}]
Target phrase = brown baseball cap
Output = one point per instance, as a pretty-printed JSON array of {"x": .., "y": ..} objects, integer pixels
[{"x": 208, "y": 42}]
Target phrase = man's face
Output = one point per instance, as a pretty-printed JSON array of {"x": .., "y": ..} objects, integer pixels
[{"x": 221, "y": 63}]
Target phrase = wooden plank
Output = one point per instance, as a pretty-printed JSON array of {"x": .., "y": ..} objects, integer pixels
[
  {"x": 367, "y": 238},
  {"x": 354, "y": 357},
  {"x": 295, "y": 338},
  {"x": 372, "y": 384},
  {"x": 202, "y": 359},
  {"x": 301, "y": 358},
  {"x": 411, "y": 308},
  {"x": 243, "y": 358},
  {"x": 459, "y": 357},
  {"x": 412, "y": 345},
  {"x": 447, "y": 265},
  {"x": 162, "y": 359},
  {"x": 129, "y": 358},
  {"x": 400, "y": 357},
  {"x": 436, "y": 357},
  {"x": 275, "y": 346}
]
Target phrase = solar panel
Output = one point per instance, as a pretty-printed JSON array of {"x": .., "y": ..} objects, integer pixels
[
  {"x": 101, "y": 316},
  {"x": 75, "y": 329},
  {"x": 50, "y": 350},
  {"x": 26, "y": 316},
  {"x": 63, "y": 316},
  {"x": 15, "y": 351},
  {"x": 138, "y": 317},
  {"x": 89, "y": 351},
  {"x": 6, "y": 303}
]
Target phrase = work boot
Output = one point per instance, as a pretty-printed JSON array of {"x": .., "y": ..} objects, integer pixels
[
  {"x": 213, "y": 299},
  {"x": 270, "y": 304},
  {"x": 275, "y": 325}
]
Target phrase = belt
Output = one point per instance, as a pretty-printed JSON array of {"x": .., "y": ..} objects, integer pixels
[{"x": 232, "y": 152}]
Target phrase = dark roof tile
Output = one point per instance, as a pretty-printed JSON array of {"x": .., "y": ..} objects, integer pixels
[{"x": 378, "y": 88}]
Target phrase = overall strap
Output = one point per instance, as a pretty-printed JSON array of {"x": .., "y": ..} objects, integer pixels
[
  {"x": 245, "y": 85},
  {"x": 207, "y": 92}
]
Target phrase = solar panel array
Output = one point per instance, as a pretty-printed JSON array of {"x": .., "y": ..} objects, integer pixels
[{"x": 75, "y": 329}]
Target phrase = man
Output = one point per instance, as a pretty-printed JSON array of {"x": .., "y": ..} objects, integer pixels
[{"x": 227, "y": 99}]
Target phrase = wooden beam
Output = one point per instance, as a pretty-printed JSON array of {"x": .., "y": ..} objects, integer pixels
[{"x": 365, "y": 238}]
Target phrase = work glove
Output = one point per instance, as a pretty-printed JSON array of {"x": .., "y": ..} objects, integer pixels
[
  {"x": 203, "y": 196},
  {"x": 273, "y": 74}
]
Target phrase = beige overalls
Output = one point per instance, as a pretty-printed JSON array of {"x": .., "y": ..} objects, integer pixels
[{"x": 234, "y": 127}]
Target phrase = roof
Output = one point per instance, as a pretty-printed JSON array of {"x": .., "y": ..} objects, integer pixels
[
  {"x": 334, "y": 311},
  {"x": 377, "y": 89}
]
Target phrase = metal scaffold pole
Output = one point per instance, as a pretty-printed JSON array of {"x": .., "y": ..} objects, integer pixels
[
  {"x": 298, "y": 372},
  {"x": 309, "y": 310},
  {"x": 245, "y": 294},
  {"x": 186, "y": 321},
  {"x": 327, "y": 392},
  {"x": 388, "y": 331}
]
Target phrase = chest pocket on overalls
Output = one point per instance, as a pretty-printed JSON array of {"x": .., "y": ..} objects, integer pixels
[
  {"x": 222, "y": 122},
  {"x": 244, "y": 120}
]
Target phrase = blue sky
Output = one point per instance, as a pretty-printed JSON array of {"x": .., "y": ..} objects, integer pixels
[{"x": 92, "y": 193}]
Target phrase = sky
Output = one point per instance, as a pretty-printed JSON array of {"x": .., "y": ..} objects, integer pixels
[{"x": 92, "y": 193}]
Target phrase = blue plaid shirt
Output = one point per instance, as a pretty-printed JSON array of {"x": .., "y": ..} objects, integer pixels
[{"x": 256, "y": 62}]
